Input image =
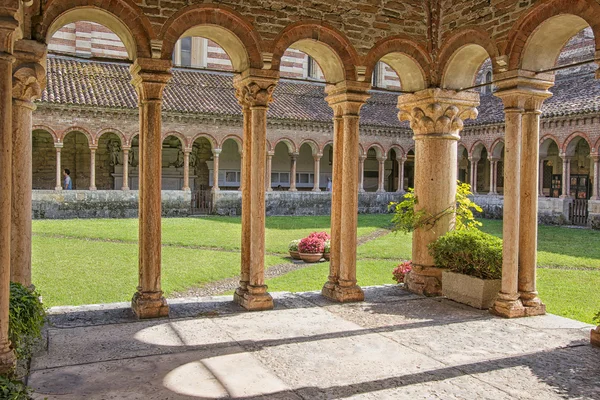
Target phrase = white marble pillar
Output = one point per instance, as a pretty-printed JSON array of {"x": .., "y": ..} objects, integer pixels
[
  {"x": 93, "y": 168},
  {"x": 493, "y": 176},
  {"x": 216, "y": 156},
  {"x": 293, "y": 158},
  {"x": 361, "y": 173},
  {"x": 401, "y": 161},
  {"x": 186, "y": 170},
  {"x": 596, "y": 185},
  {"x": 270, "y": 155},
  {"x": 566, "y": 175},
  {"x": 380, "y": 175},
  {"x": 474, "y": 161},
  {"x": 125, "y": 185},
  {"x": 58, "y": 147},
  {"x": 317, "y": 172}
]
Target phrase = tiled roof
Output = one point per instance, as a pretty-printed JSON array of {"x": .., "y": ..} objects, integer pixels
[{"x": 107, "y": 84}]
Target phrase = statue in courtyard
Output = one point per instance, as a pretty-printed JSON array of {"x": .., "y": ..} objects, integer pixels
[
  {"x": 114, "y": 149},
  {"x": 178, "y": 163},
  {"x": 193, "y": 159}
]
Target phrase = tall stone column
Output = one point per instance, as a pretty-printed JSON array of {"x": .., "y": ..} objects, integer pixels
[
  {"x": 317, "y": 172},
  {"x": 29, "y": 79},
  {"x": 216, "y": 154},
  {"x": 125, "y": 185},
  {"x": 150, "y": 76},
  {"x": 254, "y": 89},
  {"x": 361, "y": 173},
  {"x": 186, "y": 170},
  {"x": 596, "y": 185},
  {"x": 346, "y": 98},
  {"x": 493, "y": 168},
  {"x": 293, "y": 158},
  {"x": 401, "y": 161},
  {"x": 93, "y": 168},
  {"x": 270, "y": 155},
  {"x": 436, "y": 118},
  {"x": 474, "y": 164},
  {"x": 380, "y": 175},
  {"x": 8, "y": 25},
  {"x": 566, "y": 175},
  {"x": 58, "y": 147},
  {"x": 541, "y": 179}
]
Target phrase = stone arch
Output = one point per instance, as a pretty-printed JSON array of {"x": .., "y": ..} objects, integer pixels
[
  {"x": 43, "y": 160},
  {"x": 47, "y": 129},
  {"x": 462, "y": 55},
  {"x": 596, "y": 147},
  {"x": 476, "y": 148},
  {"x": 545, "y": 143},
  {"x": 548, "y": 26},
  {"x": 379, "y": 150},
  {"x": 212, "y": 140},
  {"x": 88, "y": 135},
  {"x": 399, "y": 150},
  {"x": 235, "y": 138},
  {"x": 496, "y": 148},
  {"x": 123, "y": 17},
  {"x": 570, "y": 143},
  {"x": 329, "y": 47},
  {"x": 178, "y": 135},
  {"x": 407, "y": 58},
  {"x": 122, "y": 138},
  {"x": 288, "y": 142},
  {"x": 313, "y": 145},
  {"x": 220, "y": 24}
]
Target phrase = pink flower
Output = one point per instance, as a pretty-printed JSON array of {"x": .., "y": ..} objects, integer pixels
[
  {"x": 401, "y": 271},
  {"x": 323, "y": 236},
  {"x": 311, "y": 245}
]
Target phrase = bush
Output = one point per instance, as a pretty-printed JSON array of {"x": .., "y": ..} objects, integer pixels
[
  {"x": 13, "y": 389},
  {"x": 469, "y": 252},
  {"x": 26, "y": 319},
  {"x": 311, "y": 245},
  {"x": 293, "y": 246},
  {"x": 399, "y": 273}
]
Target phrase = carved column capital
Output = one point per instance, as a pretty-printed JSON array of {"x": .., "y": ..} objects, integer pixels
[
  {"x": 347, "y": 97},
  {"x": 9, "y": 24},
  {"x": 254, "y": 88},
  {"x": 216, "y": 152},
  {"x": 438, "y": 112},
  {"x": 150, "y": 77},
  {"x": 29, "y": 73},
  {"x": 523, "y": 91}
]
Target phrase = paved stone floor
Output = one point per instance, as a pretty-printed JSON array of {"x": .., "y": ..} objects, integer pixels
[{"x": 395, "y": 345}]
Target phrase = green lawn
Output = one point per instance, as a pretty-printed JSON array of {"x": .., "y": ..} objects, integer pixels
[{"x": 93, "y": 261}]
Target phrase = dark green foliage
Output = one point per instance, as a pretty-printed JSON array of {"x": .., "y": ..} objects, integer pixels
[
  {"x": 470, "y": 252},
  {"x": 13, "y": 389},
  {"x": 26, "y": 319}
]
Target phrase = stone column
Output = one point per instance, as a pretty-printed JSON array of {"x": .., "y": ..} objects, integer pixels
[
  {"x": 58, "y": 147},
  {"x": 541, "y": 179},
  {"x": 125, "y": 185},
  {"x": 401, "y": 161},
  {"x": 522, "y": 93},
  {"x": 436, "y": 118},
  {"x": 8, "y": 25},
  {"x": 186, "y": 170},
  {"x": 150, "y": 76},
  {"x": 317, "y": 172},
  {"x": 293, "y": 157},
  {"x": 361, "y": 173},
  {"x": 93, "y": 168},
  {"x": 254, "y": 89},
  {"x": 216, "y": 154},
  {"x": 596, "y": 185},
  {"x": 493, "y": 169},
  {"x": 474, "y": 163},
  {"x": 566, "y": 175},
  {"x": 270, "y": 155},
  {"x": 29, "y": 78},
  {"x": 242, "y": 166},
  {"x": 380, "y": 175},
  {"x": 346, "y": 98}
]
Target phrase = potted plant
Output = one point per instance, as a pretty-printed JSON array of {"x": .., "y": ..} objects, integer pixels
[
  {"x": 311, "y": 249},
  {"x": 293, "y": 249},
  {"x": 323, "y": 236},
  {"x": 400, "y": 272},
  {"x": 327, "y": 250},
  {"x": 473, "y": 266}
]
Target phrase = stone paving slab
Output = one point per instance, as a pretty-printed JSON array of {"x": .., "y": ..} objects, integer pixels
[{"x": 395, "y": 345}]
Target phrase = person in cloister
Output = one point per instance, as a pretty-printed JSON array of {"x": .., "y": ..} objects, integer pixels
[{"x": 67, "y": 183}]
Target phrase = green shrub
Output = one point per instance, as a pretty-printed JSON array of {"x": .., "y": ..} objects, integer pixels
[
  {"x": 26, "y": 319},
  {"x": 13, "y": 389},
  {"x": 469, "y": 252}
]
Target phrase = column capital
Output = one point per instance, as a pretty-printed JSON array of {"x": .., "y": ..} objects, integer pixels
[
  {"x": 401, "y": 159},
  {"x": 474, "y": 159},
  {"x": 150, "y": 77},
  {"x": 347, "y": 97},
  {"x": 565, "y": 157},
  {"x": 437, "y": 112},
  {"x": 362, "y": 157},
  {"x": 523, "y": 91},
  {"x": 493, "y": 159},
  {"x": 294, "y": 155},
  {"x": 381, "y": 158},
  {"x": 317, "y": 156},
  {"x": 29, "y": 73},
  {"x": 270, "y": 153},
  {"x": 254, "y": 87},
  {"x": 595, "y": 156},
  {"x": 93, "y": 148},
  {"x": 216, "y": 152},
  {"x": 8, "y": 26},
  {"x": 58, "y": 145}
]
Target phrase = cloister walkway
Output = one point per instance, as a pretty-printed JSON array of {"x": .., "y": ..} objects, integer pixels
[{"x": 394, "y": 345}]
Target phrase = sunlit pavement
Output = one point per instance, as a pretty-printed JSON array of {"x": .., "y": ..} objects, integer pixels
[{"x": 394, "y": 345}]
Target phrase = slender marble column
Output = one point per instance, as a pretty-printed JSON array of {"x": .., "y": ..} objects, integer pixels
[
  {"x": 361, "y": 173},
  {"x": 216, "y": 154},
  {"x": 29, "y": 78},
  {"x": 474, "y": 164},
  {"x": 436, "y": 116},
  {"x": 596, "y": 185},
  {"x": 380, "y": 175},
  {"x": 401, "y": 161},
  {"x": 125, "y": 185},
  {"x": 293, "y": 158},
  {"x": 93, "y": 168},
  {"x": 242, "y": 166},
  {"x": 58, "y": 147},
  {"x": 317, "y": 172},
  {"x": 150, "y": 76},
  {"x": 541, "y": 178},
  {"x": 254, "y": 89},
  {"x": 493, "y": 166},
  {"x": 186, "y": 170},
  {"x": 566, "y": 172},
  {"x": 270, "y": 155}
]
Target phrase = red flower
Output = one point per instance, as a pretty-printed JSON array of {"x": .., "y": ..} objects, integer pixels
[
  {"x": 311, "y": 245},
  {"x": 401, "y": 271},
  {"x": 323, "y": 236}
]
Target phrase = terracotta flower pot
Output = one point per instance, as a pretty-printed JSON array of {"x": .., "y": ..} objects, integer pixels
[
  {"x": 295, "y": 255},
  {"x": 327, "y": 256},
  {"x": 311, "y": 257}
]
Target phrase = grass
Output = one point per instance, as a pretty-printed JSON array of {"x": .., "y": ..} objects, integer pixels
[{"x": 94, "y": 261}]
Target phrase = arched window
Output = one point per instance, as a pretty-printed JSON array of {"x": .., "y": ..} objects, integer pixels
[{"x": 488, "y": 79}]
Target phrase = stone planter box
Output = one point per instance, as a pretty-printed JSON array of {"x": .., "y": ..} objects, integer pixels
[
  {"x": 295, "y": 255},
  {"x": 465, "y": 289},
  {"x": 311, "y": 257}
]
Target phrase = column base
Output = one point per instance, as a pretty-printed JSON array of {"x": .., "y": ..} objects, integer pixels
[
  {"x": 316, "y": 190},
  {"x": 254, "y": 298},
  {"x": 564, "y": 197},
  {"x": 595, "y": 337},
  {"x": 343, "y": 293},
  {"x": 532, "y": 304},
  {"x": 492, "y": 194},
  {"x": 7, "y": 359},
  {"x": 292, "y": 190},
  {"x": 93, "y": 188},
  {"x": 423, "y": 280},
  {"x": 58, "y": 188},
  {"x": 508, "y": 306},
  {"x": 149, "y": 305},
  {"x": 125, "y": 188},
  {"x": 186, "y": 189}
]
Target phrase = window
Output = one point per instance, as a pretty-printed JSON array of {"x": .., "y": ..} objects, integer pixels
[
  {"x": 488, "y": 79},
  {"x": 378, "y": 78},
  {"x": 312, "y": 69},
  {"x": 186, "y": 52}
]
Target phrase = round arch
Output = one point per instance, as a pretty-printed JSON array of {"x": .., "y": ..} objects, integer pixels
[
  {"x": 462, "y": 55},
  {"x": 379, "y": 150},
  {"x": 178, "y": 135},
  {"x": 288, "y": 142},
  {"x": 476, "y": 149},
  {"x": 398, "y": 149},
  {"x": 47, "y": 129},
  {"x": 78, "y": 129},
  {"x": 220, "y": 24},
  {"x": 496, "y": 148},
  {"x": 548, "y": 26},
  {"x": 211, "y": 139},
  {"x": 330, "y": 48},
  {"x": 545, "y": 144},
  {"x": 121, "y": 136},
  {"x": 123, "y": 17},
  {"x": 407, "y": 58},
  {"x": 235, "y": 138},
  {"x": 570, "y": 143},
  {"x": 316, "y": 149}
]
